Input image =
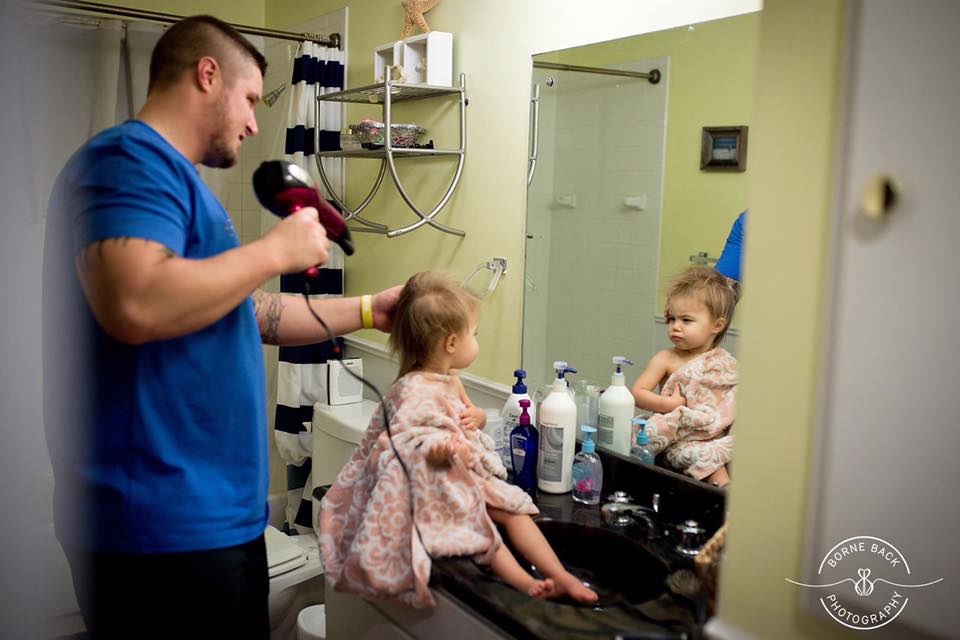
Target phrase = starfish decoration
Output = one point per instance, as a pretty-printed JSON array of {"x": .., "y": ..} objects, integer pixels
[{"x": 414, "y": 10}]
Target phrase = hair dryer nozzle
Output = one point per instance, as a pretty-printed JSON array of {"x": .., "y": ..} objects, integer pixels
[{"x": 283, "y": 187}]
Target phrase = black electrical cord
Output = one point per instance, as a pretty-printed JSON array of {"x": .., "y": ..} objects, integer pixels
[{"x": 383, "y": 404}]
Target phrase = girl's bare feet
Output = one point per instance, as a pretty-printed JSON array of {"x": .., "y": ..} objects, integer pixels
[
  {"x": 541, "y": 588},
  {"x": 569, "y": 585}
]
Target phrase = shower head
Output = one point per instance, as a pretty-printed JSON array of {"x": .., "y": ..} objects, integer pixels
[{"x": 272, "y": 97}]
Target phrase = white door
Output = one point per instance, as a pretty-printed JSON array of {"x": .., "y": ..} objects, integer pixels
[{"x": 890, "y": 440}]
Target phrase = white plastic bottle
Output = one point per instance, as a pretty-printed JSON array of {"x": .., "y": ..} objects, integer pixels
[
  {"x": 616, "y": 411},
  {"x": 511, "y": 408},
  {"x": 497, "y": 433},
  {"x": 558, "y": 435}
]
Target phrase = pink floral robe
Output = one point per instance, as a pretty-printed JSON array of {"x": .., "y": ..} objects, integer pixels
[
  {"x": 367, "y": 539},
  {"x": 695, "y": 438}
]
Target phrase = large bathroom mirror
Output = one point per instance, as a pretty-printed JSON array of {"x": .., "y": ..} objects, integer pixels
[{"x": 617, "y": 200}]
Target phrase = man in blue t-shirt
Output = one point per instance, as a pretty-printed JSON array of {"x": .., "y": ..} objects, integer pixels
[
  {"x": 730, "y": 264},
  {"x": 154, "y": 380}
]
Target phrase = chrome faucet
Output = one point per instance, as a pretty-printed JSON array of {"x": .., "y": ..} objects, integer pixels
[{"x": 620, "y": 510}]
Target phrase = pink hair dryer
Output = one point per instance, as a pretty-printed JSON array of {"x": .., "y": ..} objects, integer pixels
[{"x": 283, "y": 188}]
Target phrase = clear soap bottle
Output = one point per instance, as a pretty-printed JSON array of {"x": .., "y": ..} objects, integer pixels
[
  {"x": 587, "y": 470},
  {"x": 641, "y": 446}
]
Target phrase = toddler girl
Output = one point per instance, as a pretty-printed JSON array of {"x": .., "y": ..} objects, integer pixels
[
  {"x": 697, "y": 378},
  {"x": 372, "y": 542}
]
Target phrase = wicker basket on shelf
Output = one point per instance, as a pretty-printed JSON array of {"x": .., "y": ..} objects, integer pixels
[{"x": 708, "y": 566}]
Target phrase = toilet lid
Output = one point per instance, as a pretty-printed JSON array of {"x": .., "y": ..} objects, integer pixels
[
  {"x": 347, "y": 422},
  {"x": 282, "y": 554}
]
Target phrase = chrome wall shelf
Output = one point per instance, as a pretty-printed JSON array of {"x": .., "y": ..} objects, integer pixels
[{"x": 386, "y": 94}]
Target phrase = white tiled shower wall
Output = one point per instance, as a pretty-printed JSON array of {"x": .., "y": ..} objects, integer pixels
[{"x": 597, "y": 260}]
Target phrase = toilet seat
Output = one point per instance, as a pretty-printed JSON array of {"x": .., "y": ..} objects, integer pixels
[
  {"x": 296, "y": 579},
  {"x": 283, "y": 555}
]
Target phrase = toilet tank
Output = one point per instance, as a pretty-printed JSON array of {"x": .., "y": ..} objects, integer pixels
[{"x": 337, "y": 430}]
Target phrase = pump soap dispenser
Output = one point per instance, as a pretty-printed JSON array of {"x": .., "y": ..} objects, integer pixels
[
  {"x": 641, "y": 448},
  {"x": 615, "y": 411},
  {"x": 558, "y": 435},
  {"x": 524, "y": 448},
  {"x": 587, "y": 470},
  {"x": 511, "y": 408}
]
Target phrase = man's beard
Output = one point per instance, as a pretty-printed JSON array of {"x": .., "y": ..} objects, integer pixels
[{"x": 220, "y": 153}]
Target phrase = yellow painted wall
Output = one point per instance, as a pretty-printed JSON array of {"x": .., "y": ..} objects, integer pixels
[
  {"x": 711, "y": 83},
  {"x": 246, "y": 12},
  {"x": 494, "y": 42},
  {"x": 791, "y": 163}
]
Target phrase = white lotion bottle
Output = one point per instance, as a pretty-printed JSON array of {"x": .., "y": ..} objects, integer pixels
[
  {"x": 558, "y": 435},
  {"x": 616, "y": 411}
]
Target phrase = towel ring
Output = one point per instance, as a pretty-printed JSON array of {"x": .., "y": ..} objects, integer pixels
[{"x": 499, "y": 268}]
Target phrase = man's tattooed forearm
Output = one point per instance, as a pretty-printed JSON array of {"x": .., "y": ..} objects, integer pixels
[{"x": 268, "y": 308}]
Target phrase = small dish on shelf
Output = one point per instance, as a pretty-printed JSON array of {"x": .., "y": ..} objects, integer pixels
[{"x": 370, "y": 132}]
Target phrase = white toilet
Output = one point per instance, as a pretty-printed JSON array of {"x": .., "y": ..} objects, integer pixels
[
  {"x": 293, "y": 562},
  {"x": 337, "y": 430},
  {"x": 296, "y": 579}
]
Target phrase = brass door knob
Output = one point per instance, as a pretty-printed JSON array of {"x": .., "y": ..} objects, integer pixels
[{"x": 880, "y": 196}]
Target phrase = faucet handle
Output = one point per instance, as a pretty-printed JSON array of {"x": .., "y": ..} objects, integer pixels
[{"x": 690, "y": 540}]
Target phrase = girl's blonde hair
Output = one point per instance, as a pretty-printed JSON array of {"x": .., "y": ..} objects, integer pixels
[
  {"x": 711, "y": 288},
  {"x": 432, "y": 306}
]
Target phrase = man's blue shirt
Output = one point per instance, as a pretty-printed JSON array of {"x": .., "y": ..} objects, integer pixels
[{"x": 166, "y": 450}]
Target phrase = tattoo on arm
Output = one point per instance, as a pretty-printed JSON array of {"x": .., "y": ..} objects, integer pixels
[{"x": 268, "y": 308}]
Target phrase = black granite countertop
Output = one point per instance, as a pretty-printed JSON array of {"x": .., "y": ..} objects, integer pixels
[{"x": 647, "y": 589}]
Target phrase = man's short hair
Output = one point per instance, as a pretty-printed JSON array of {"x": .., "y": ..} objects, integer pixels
[{"x": 183, "y": 45}]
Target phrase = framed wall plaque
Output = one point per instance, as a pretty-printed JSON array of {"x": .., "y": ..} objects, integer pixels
[{"x": 723, "y": 149}]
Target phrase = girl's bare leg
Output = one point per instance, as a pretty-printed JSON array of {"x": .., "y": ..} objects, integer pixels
[
  {"x": 719, "y": 478},
  {"x": 507, "y": 567},
  {"x": 527, "y": 538}
]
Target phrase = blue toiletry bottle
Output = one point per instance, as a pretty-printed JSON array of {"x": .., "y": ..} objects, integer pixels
[
  {"x": 641, "y": 448},
  {"x": 524, "y": 448},
  {"x": 587, "y": 470}
]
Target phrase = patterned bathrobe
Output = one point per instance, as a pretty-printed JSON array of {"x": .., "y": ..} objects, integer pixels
[
  {"x": 367, "y": 540},
  {"x": 695, "y": 438}
]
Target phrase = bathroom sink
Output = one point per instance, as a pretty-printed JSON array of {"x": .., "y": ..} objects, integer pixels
[
  {"x": 636, "y": 599},
  {"x": 616, "y": 567}
]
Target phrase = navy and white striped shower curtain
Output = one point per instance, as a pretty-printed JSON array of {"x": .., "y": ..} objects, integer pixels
[{"x": 316, "y": 69}]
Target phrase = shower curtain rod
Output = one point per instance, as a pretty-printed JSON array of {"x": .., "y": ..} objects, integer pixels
[
  {"x": 653, "y": 76},
  {"x": 169, "y": 18}
]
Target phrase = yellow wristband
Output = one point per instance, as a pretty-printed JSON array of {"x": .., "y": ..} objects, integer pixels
[{"x": 366, "y": 311}]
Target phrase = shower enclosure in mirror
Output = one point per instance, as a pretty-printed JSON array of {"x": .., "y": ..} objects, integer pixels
[
  {"x": 593, "y": 216},
  {"x": 617, "y": 203}
]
